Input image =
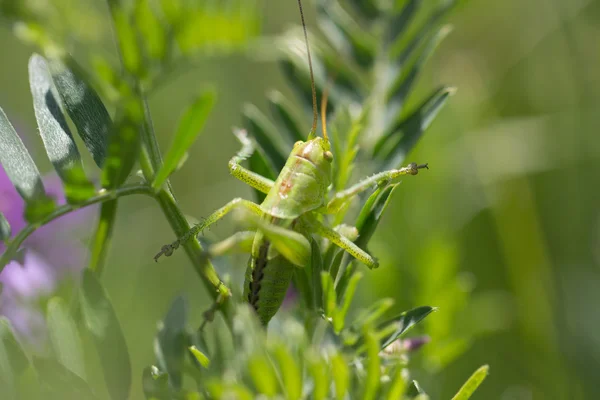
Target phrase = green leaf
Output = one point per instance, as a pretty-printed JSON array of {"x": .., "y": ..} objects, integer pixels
[
  {"x": 64, "y": 337},
  {"x": 368, "y": 8},
  {"x": 60, "y": 383},
  {"x": 414, "y": 391},
  {"x": 316, "y": 266},
  {"x": 338, "y": 323},
  {"x": 472, "y": 383},
  {"x": 266, "y": 136},
  {"x": 319, "y": 371},
  {"x": 397, "y": 385},
  {"x": 282, "y": 111},
  {"x": 55, "y": 132},
  {"x": 371, "y": 214},
  {"x": 199, "y": 356},
  {"x": 190, "y": 126},
  {"x": 393, "y": 147},
  {"x": 401, "y": 20},
  {"x": 170, "y": 346},
  {"x": 127, "y": 39},
  {"x": 259, "y": 164},
  {"x": 4, "y": 228},
  {"x": 12, "y": 359},
  {"x": 329, "y": 296},
  {"x": 83, "y": 106},
  {"x": 22, "y": 172},
  {"x": 404, "y": 322},
  {"x": 341, "y": 375},
  {"x": 262, "y": 374},
  {"x": 155, "y": 384},
  {"x": 402, "y": 86},
  {"x": 290, "y": 373},
  {"x": 124, "y": 144},
  {"x": 346, "y": 34},
  {"x": 103, "y": 325},
  {"x": 151, "y": 29},
  {"x": 373, "y": 366}
]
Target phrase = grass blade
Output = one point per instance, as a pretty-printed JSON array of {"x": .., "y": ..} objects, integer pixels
[
  {"x": 84, "y": 107},
  {"x": 404, "y": 322},
  {"x": 22, "y": 172},
  {"x": 64, "y": 337},
  {"x": 101, "y": 321},
  {"x": 189, "y": 128},
  {"x": 55, "y": 133},
  {"x": 472, "y": 383}
]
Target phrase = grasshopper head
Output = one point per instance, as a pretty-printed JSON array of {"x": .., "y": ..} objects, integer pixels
[{"x": 317, "y": 152}]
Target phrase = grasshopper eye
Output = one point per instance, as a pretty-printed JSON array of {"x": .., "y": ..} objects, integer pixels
[
  {"x": 328, "y": 156},
  {"x": 299, "y": 142}
]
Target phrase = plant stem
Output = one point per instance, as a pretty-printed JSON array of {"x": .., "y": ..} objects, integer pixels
[
  {"x": 103, "y": 196},
  {"x": 101, "y": 242}
]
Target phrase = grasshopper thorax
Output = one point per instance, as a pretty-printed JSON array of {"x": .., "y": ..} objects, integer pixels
[{"x": 303, "y": 182}]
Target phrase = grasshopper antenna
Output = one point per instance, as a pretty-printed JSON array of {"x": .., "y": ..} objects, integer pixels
[{"x": 313, "y": 131}]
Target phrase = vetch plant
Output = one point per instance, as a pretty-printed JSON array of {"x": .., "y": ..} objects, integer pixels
[{"x": 319, "y": 350}]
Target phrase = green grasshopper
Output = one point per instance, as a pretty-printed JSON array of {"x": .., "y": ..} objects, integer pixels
[{"x": 289, "y": 215}]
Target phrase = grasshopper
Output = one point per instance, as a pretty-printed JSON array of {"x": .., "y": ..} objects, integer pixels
[{"x": 288, "y": 216}]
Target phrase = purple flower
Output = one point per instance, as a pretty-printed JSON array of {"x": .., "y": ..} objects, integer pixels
[{"x": 48, "y": 256}]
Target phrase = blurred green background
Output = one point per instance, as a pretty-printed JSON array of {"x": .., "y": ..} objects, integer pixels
[{"x": 502, "y": 234}]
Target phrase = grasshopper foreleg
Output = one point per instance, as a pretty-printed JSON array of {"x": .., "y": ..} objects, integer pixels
[
  {"x": 168, "y": 249},
  {"x": 381, "y": 178}
]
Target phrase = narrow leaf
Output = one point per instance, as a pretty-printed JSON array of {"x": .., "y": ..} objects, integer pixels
[
  {"x": 262, "y": 374},
  {"x": 83, "y": 106},
  {"x": 373, "y": 366},
  {"x": 472, "y": 383},
  {"x": 12, "y": 359},
  {"x": 259, "y": 164},
  {"x": 399, "y": 22},
  {"x": 368, "y": 8},
  {"x": 371, "y": 214},
  {"x": 265, "y": 135},
  {"x": 22, "y": 172},
  {"x": 341, "y": 375},
  {"x": 155, "y": 384},
  {"x": 282, "y": 111},
  {"x": 59, "y": 382},
  {"x": 103, "y": 325},
  {"x": 127, "y": 39},
  {"x": 4, "y": 228},
  {"x": 338, "y": 323},
  {"x": 190, "y": 126},
  {"x": 151, "y": 29},
  {"x": 393, "y": 147},
  {"x": 404, "y": 322},
  {"x": 414, "y": 390},
  {"x": 345, "y": 33},
  {"x": 290, "y": 371},
  {"x": 316, "y": 266},
  {"x": 199, "y": 356},
  {"x": 64, "y": 337},
  {"x": 55, "y": 132},
  {"x": 170, "y": 344},
  {"x": 319, "y": 371},
  {"x": 329, "y": 296}
]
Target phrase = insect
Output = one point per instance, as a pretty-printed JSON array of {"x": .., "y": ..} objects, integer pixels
[{"x": 288, "y": 216}]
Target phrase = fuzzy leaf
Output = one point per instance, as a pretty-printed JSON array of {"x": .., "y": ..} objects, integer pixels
[
  {"x": 265, "y": 134},
  {"x": 64, "y": 337},
  {"x": 472, "y": 383},
  {"x": 60, "y": 383},
  {"x": 84, "y": 107},
  {"x": 404, "y": 322},
  {"x": 189, "y": 128},
  {"x": 22, "y": 172},
  {"x": 393, "y": 147},
  {"x": 4, "y": 228},
  {"x": 170, "y": 345},
  {"x": 12, "y": 359},
  {"x": 282, "y": 110},
  {"x": 55, "y": 132},
  {"x": 103, "y": 325}
]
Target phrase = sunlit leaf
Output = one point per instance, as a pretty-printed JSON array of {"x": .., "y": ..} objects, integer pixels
[
  {"x": 472, "y": 383},
  {"x": 329, "y": 296},
  {"x": 403, "y": 322},
  {"x": 64, "y": 337},
  {"x": 83, "y": 106},
  {"x": 290, "y": 373},
  {"x": 371, "y": 384},
  {"x": 262, "y": 374},
  {"x": 319, "y": 371},
  {"x": 55, "y": 132},
  {"x": 170, "y": 344},
  {"x": 341, "y": 375},
  {"x": 200, "y": 357},
  {"x": 103, "y": 325},
  {"x": 127, "y": 39},
  {"x": 393, "y": 147},
  {"x": 22, "y": 172},
  {"x": 12, "y": 359},
  {"x": 152, "y": 30},
  {"x": 189, "y": 128}
]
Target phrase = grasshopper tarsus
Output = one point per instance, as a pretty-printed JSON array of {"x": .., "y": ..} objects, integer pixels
[{"x": 414, "y": 167}]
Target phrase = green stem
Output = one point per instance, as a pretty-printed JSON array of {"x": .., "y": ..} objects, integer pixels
[
  {"x": 103, "y": 196},
  {"x": 101, "y": 242}
]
